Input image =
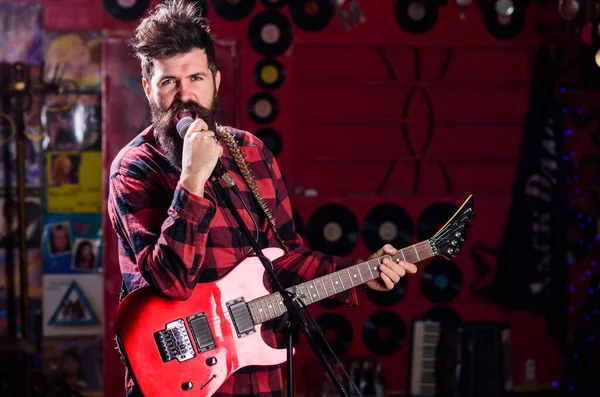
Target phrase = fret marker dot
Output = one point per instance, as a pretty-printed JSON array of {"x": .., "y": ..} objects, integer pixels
[
  {"x": 311, "y": 286},
  {"x": 355, "y": 276},
  {"x": 336, "y": 282},
  {"x": 314, "y": 296},
  {"x": 260, "y": 310},
  {"x": 269, "y": 306}
]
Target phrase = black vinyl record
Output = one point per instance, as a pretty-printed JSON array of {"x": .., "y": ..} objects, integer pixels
[
  {"x": 581, "y": 234},
  {"x": 311, "y": 15},
  {"x": 441, "y": 281},
  {"x": 416, "y": 16},
  {"x": 387, "y": 224},
  {"x": 333, "y": 229},
  {"x": 384, "y": 333},
  {"x": 271, "y": 139},
  {"x": 263, "y": 108},
  {"x": 274, "y": 3},
  {"x": 504, "y": 27},
  {"x": 126, "y": 10},
  {"x": 269, "y": 74},
  {"x": 433, "y": 218},
  {"x": 337, "y": 331},
  {"x": 270, "y": 33},
  {"x": 233, "y": 10},
  {"x": 203, "y": 5},
  {"x": 388, "y": 298},
  {"x": 443, "y": 315}
]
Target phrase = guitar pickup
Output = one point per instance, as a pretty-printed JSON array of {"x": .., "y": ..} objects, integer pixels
[
  {"x": 174, "y": 343},
  {"x": 242, "y": 319},
  {"x": 201, "y": 332}
]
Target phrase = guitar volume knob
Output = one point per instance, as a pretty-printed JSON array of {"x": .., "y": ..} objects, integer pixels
[
  {"x": 187, "y": 386},
  {"x": 211, "y": 361}
]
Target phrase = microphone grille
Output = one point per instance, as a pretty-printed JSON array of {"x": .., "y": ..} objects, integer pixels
[{"x": 183, "y": 124}]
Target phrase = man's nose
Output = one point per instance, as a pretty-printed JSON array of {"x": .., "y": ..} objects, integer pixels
[{"x": 185, "y": 93}]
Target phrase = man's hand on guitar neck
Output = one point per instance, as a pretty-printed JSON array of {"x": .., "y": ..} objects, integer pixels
[{"x": 391, "y": 272}]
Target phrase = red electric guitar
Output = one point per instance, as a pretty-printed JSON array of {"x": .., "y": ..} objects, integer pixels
[{"x": 189, "y": 348}]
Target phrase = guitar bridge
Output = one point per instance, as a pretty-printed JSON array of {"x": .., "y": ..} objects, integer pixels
[{"x": 174, "y": 342}]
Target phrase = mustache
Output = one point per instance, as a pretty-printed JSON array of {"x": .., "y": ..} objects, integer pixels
[{"x": 198, "y": 110}]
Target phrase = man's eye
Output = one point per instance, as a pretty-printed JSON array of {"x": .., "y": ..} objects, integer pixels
[
  {"x": 197, "y": 78},
  {"x": 167, "y": 81}
]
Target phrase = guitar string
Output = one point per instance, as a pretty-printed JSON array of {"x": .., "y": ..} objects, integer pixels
[{"x": 217, "y": 318}]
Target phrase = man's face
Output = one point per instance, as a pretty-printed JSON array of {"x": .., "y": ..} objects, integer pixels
[{"x": 181, "y": 86}]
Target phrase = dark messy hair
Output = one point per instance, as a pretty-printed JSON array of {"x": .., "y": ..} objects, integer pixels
[{"x": 174, "y": 27}]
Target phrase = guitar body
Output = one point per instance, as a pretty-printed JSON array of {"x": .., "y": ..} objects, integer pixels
[{"x": 147, "y": 320}]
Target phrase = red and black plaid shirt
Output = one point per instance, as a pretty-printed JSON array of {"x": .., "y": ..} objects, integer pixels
[{"x": 164, "y": 240}]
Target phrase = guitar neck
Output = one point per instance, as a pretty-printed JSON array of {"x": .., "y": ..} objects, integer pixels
[{"x": 271, "y": 306}]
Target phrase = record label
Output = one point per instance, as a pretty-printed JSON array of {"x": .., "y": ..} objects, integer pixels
[
  {"x": 233, "y": 10},
  {"x": 433, "y": 218},
  {"x": 384, "y": 333},
  {"x": 311, "y": 15},
  {"x": 126, "y": 10},
  {"x": 337, "y": 331},
  {"x": 269, "y": 74},
  {"x": 416, "y": 16},
  {"x": 387, "y": 224},
  {"x": 388, "y": 298},
  {"x": 441, "y": 281},
  {"x": 263, "y": 108},
  {"x": 333, "y": 229},
  {"x": 271, "y": 139},
  {"x": 270, "y": 33}
]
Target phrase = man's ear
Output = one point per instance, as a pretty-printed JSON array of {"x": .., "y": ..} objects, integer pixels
[
  {"x": 146, "y": 85},
  {"x": 217, "y": 80}
]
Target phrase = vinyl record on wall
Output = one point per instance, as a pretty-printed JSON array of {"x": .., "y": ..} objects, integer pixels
[
  {"x": 126, "y": 10},
  {"x": 269, "y": 74},
  {"x": 441, "y": 281},
  {"x": 233, "y": 10},
  {"x": 433, "y": 218},
  {"x": 416, "y": 16},
  {"x": 311, "y": 15},
  {"x": 501, "y": 25},
  {"x": 274, "y": 3},
  {"x": 581, "y": 233},
  {"x": 387, "y": 224},
  {"x": 384, "y": 333},
  {"x": 270, "y": 33},
  {"x": 337, "y": 331},
  {"x": 388, "y": 298},
  {"x": 444, "y": 315},
  {"x": 263, "y": 108},
  {"x": 271, "y": 139},
  {"x": 333, "y": 229}
]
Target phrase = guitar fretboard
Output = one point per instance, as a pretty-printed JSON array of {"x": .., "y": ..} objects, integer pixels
[{"x": 271, "y": 306}]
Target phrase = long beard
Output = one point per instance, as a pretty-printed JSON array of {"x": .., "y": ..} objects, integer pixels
[{"x": 165, "y": 125}]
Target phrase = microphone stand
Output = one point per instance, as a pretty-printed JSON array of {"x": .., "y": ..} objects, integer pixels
[{"x": 297, "y": 319}]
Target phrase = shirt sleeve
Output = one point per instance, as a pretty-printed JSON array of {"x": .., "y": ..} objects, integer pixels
[
  {"x": 169, "y": 252},
  {"x": 303, "y": 264}
]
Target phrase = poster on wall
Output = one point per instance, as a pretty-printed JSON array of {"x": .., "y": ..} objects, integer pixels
[
  {"x": 71, "y": 243},
  {"x": 72, "y": 122},
  {"x": 20, "y": 33},
  {"x": 73, "y": 363},
  {"x": 74, "y": 57},
  {"x": 73, "y": 304},
  {"x": 74, "y": 182}
]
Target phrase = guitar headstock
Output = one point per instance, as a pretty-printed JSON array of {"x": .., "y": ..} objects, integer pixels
[{"x": 451, "y": 237}]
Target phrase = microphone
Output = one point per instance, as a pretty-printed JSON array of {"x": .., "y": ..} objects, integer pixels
[{"x": 220, "y": 171}]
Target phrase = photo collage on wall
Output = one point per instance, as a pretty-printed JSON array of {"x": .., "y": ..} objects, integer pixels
[{"x": 71, "y": 233}]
